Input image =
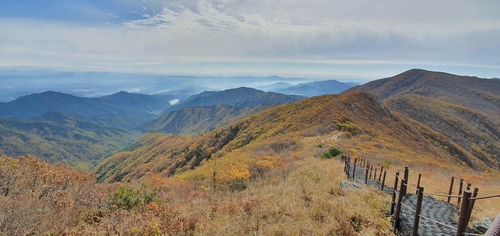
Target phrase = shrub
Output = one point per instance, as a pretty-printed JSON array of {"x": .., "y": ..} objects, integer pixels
[
  {"x": 332, "y": 152},
  {"x": 387, "y": 164},
  {"x": 124, "y": 198}
]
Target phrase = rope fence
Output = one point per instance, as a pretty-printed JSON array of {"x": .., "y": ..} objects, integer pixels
[{"x": 469, "y": 197}]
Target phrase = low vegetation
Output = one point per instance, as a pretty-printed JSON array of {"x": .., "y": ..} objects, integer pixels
[
  {"x": 288, "y": 193},
  {"x": 308, "y": 201},
  {"x": 273, "y": 173}
]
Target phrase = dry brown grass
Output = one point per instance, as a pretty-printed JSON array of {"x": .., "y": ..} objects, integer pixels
[
  {"x": 308, "y": 202},
  {"x": 435, "y": 178}
]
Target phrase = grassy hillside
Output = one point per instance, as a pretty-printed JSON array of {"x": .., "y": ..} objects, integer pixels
[
  {"x": 199, "y": 120},
  {"x": 261, "y": 175},
  {"x": 474, "y": 131},
  {"x": 465, "y": 109},
  {"x": 62, "y": 138},
  {"x": 368, "y": 126}
]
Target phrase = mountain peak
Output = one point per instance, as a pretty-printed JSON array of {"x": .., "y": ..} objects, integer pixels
[{"x": 239, "y": 97}]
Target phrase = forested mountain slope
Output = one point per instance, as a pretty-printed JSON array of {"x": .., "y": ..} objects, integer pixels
[
  {"x": 238, "y": 97},
  {"x": 359, "y": 116},
  {"x": 198, "y": 120},
  {"x": 62, "y": 138},
  {"x": 118, "y": 110}
]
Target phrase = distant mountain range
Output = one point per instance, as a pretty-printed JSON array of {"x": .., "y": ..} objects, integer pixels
[
  {"x": 433, "y": 118},
  {"x": 35, "y": 118},
  {"x": 239, "y": 97},
  {"x": 209, "y": 110},
  {"x": 419, "y": 115},
  {"x": 14, "y": 84},
  {"x": 118, "y": 110},
  {"x": 315, "y": 88}
]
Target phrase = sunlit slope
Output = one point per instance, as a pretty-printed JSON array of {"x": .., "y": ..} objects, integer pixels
[
  {"x": 198, "y": 120},
  {"x": 475, "y": 131},
  {"x": 463, "y": 108},
  {"x": 365, "y": 124}
]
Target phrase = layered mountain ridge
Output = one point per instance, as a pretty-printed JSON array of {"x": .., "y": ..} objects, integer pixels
[{"x": 358, "y": 114}]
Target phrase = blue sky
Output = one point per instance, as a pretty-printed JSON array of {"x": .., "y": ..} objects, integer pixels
[{"x": 361, "y": 39}]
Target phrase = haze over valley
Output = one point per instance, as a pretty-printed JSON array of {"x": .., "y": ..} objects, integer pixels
[{"x": 223, "y": 117}]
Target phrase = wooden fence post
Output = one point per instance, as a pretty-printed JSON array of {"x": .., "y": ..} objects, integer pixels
[
  {"x": 472, "y": 202},
  {"x": 398, "y": 207},
  {"x": 383, "y": 181},
  {"x": 469, "y": 185},
  {"x": 354, "y": 171},
  {"x": 420, "y": 193},
  {"x": 344, "y": 163},
  {"x": 418, "y": 182},
  {"x": 451, "y": 189},
  {"x": 407, "y": 172},
  {"x": 347, "y": 166},
  {"x": 394, "y": 192},
  {"x": 462, "y": 221},
  {"x": 375, "y": 175},
  {"x": 366, "y": 174},
  {"x": 381, "y": 170},
  {"x": 461, "y": 185},
  {"x": 371, "y": 170}
]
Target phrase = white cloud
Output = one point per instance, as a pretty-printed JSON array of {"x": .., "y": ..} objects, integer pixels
[
  {"x": 174, "y": 101},
  {"x": 288, "y": 31},
  {"x": 133, "y": 90}
]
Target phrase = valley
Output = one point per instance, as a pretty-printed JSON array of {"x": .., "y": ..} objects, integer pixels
[{"x": 242, "y": 160}]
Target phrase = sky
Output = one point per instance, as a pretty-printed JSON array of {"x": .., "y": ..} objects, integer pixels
[{"x": 359, "y": 39}]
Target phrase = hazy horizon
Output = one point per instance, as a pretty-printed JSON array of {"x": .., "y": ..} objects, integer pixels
[
  {"x": 322, "y": 39},
  {"x": 97, "y": 84}
]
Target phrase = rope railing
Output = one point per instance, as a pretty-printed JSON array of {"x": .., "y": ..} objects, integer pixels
[
  {"x": 443, "y": 195},
  {"x": 402, "y": 176},
  {"x": 471, "y": 234},
  {"x": 428, "y": 218},
  {"x": 436, "y": 222},
  {"x": 408, "y": 207},
  {"x": 485, "y": 197}
]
